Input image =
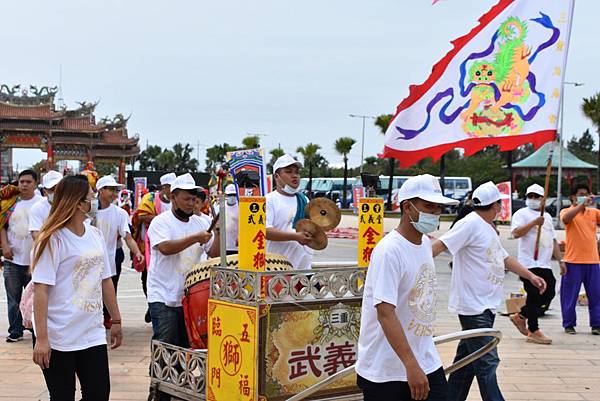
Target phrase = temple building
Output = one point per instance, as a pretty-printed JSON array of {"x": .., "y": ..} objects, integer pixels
[{"x": 31, "y": 119}]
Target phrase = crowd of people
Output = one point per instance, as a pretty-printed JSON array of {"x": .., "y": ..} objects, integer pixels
[{"x": 63, "y": 252}]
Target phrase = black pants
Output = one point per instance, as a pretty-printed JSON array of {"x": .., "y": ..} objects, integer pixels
[
  {"x": 119, "y": 258},
  {"x": 91, "y": 367},
  {"x": 400, "y": 391},
  {"x": 537, "y": 304},
  {"x": 144, "y": 281}
]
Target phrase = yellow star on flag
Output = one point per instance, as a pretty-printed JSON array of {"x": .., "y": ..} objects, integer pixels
[
  {"x": 557, "y": 71},
  {"x": 555, "y": 93},
  {"x": 552, "y": 118},
  {"x": 560, "y": 46}
]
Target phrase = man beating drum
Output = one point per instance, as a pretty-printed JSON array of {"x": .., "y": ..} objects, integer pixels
[{"x": 285, "y": 207}]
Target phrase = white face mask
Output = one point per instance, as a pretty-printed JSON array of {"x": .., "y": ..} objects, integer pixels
[
  {"x": 231, "y": 200},
  {"x": 427, "y": 223},
  {"x": 50, "y": 197},
  {"x": 290, "y": 190},
  {"x": 91, "y": 214},
  {"x": 534, "y": 204}
]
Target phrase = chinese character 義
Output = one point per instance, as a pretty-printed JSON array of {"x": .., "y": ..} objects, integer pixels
[{"x": 339, "y": 355}]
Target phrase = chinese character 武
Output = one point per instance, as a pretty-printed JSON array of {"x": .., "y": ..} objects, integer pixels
[{"x": 302, "y": 359}]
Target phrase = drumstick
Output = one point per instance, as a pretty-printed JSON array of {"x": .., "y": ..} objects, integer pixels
[
  {"x": 543, "y": 203},
  {"x": 214, "y": 222}
]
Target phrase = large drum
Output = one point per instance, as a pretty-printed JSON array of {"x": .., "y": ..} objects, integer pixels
[{"x": 197, "y": 290}]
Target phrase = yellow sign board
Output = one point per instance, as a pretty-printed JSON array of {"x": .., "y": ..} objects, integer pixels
[
  {"x": 232, "y": 352},
  {"x": 252, "y": 234},
  {"x": 370, "y": 228}
]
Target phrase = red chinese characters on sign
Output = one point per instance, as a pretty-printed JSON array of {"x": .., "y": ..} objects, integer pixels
[
  {"x": 215, "y": 377},
  {"x": 231, "y": 359},
  {"x": 245, "y": 338},
  {"x": 366, "y": 254},
  {"x": 216, "y": 326},
  {"x": 259, "y": 240},
  {"x": 259, "y": 260},
  {"x": 335, "y": 358},
  {"x": 244, "y": 385},
  {"x": 370, "y": 235}
]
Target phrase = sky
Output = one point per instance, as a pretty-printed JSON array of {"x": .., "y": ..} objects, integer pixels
[{"x": 208, "y": 72}]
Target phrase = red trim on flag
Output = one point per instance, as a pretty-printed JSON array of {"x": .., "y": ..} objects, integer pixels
[
  {"x": 407, "y": 158},
  {"x": 417, "y": 91}
]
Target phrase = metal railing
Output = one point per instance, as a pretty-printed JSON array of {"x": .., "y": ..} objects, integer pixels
[{"x": 461, "y": 335}]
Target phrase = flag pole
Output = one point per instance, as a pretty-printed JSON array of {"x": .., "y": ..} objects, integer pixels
[{"x": 543, "y": 204}]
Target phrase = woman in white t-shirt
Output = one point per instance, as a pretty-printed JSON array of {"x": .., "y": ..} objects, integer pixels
[{"x": 71, "y": 272}]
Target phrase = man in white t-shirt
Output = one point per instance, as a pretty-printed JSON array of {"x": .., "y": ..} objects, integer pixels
[
  {"x": 41, "y": 210},
  {"x": 114, "y": 223},
  {"x": 285, "y": 206},
  {"x": 397, "y": 359},
  {"x": 16, "y": 245},
  {"x": 525, "y": 223},
  {"x": 178, "y": 241},
  {"x": 479, "y": 261}
]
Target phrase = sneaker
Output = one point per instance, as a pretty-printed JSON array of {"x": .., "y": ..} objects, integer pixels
[
  {"x": 596, "y": 331},
  {"x": 538, "y": 337},
  {"x": 519, "y": 323},
  {"x": 147, "y": 318},
  {"x": 13, "y": 338},
  {"x": 570, "y": 330}
]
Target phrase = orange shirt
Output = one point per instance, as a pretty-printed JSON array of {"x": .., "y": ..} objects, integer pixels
[{"x": 582, "y": 244}]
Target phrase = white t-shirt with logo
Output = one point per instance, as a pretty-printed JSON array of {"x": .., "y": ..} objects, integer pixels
[
  {"x": 19, "y": 237},
  {"x": 74, "y": 270},
  {"x": 39, "y": 214},
  {"x": 166, "y": 273},
  {"x": 477, "y": 266},
  {"x": 112, "y": 221},
  {"x": 281, "y": 211},
  {"x": 527, "y": 242},
  {"x": 401, "y": 274}
]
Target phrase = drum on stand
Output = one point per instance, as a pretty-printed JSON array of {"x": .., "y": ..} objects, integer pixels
[{"x": 197, "y": 291}]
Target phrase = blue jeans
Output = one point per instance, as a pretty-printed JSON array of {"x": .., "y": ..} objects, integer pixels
[
  {"x": 16, "y": 277},
  {"x": 168, "y": 324},
  {"x": 400, "y": 391},
  {"x": 483, "y": 368}
]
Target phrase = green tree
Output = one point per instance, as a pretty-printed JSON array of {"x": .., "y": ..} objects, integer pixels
[
  {"x": 251, "y": 142},
  {"x": 275, "y": 153},
  {"x": 147, "y": 157},
  {"x": 40, "y": 167},
  {"x": 591, "y": 109},
  {"x": 183, "y": 160},
  {"x": 583, "y": 147},
  {"x": 343, "y": 146},
  {"x": 312, "y": 159},
  {"x": 105, "y": 169},
  {"x": 215, "y": 155},
  {"x": 165, "y": 161},
  {"x": 383, "y": 121}
]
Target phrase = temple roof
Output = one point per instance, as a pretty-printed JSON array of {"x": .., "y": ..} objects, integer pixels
[{"x": 539, "y": 159}]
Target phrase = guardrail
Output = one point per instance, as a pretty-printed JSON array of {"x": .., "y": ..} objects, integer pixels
[{"x": 461, "y": 335}]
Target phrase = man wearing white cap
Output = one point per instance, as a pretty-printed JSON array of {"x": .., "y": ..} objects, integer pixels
[
  {"x": 178, "y": 241},
  {"x": 41, "y": 210},
  {"x": 397, "y": 359},
  {"x": 232, "y": 215},
  {"x": 114, "y": 223},
  {"x": 479, "y": 261},
  {"x": 285, "y": 206},
  {"x": 525, "y": 223}
]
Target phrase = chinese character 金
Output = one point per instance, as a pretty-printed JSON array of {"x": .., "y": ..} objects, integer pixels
[
  {"x": 302, "y": 359},
  {"x": 244, "y": 337},
  {"x": 339, "y": 355},
  {"x": 260, "y": 259},
  {"x": 216, "y": 326},
  {"x": 244, "y": 385},
  {"x": 370, "y": 234},
  {"x": 259, "y": 238}
]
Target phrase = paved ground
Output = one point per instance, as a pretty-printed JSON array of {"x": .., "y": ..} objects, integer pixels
[{"x": 567, "y": 370}]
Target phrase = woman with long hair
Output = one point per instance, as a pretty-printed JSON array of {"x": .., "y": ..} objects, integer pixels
[{"x": 71, "y": 272}]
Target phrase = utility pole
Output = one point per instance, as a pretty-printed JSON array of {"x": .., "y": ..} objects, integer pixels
[{"x": 362, "y": 142}]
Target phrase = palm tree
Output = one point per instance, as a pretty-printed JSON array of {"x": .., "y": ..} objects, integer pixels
[
  {"x": 311, "y": 156},
  {"x": 591, "y": 109},
  {"x": 343, "y": 146},
  {"x": 215, "y": 156},
  {"x": 251, "y": 142},
  {"x": 383, "y": 121},
  {"x": 275, "y": 154}
]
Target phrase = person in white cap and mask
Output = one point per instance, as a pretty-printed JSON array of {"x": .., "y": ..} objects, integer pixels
[
  {"x": 479, "y": 262},
  {"x": 232, "y": 216},
  {"x": 285, "y": 206},
  {"x": 178, "y": 240},
  {"x": 114, "y": 224},
  {"x": 524, "y": 226},
  {"x": 40, "y": 211},
  {"x": 397, "y": 359}
]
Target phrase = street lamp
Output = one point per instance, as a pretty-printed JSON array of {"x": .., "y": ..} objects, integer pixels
[
  {"x": 560, "y": 149},
  {"x": 362, "y": 142}
]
